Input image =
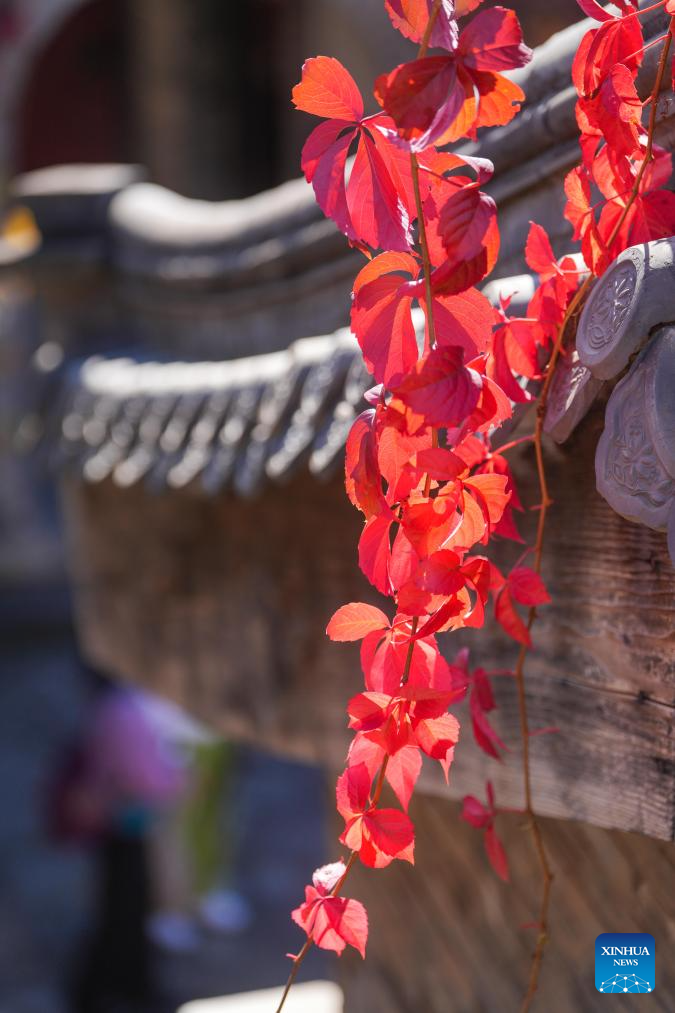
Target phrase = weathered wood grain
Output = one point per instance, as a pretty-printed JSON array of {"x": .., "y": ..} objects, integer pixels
[
  {"x": 221, "y": 604},
  {"x": 447, "y": 936}
]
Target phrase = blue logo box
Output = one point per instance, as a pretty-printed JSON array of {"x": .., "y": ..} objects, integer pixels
[{"x": 625, "y": 962}]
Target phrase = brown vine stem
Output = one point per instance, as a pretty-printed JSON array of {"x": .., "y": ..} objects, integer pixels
[{"x": 533, "y": 823}]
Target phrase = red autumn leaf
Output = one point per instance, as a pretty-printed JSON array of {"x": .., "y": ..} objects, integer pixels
[
  {"x": 403, "y": 768},
  {"x": 616, "y": 111},
  {"x": 474, "y": 812},
  {"x": 467, "y": 227},
  {"x": 527, "y": 587},
  {"x": 378, "y": 835},
  {"x": 381, "y": 318},
  {"x": 492, "y": 495},
  {"x": 493, "y": 40},
  {"x": 332, "y": 922},
  {"x": 617, "y": 40},
  {"x": 539, "y": 253},
  {"x": 578, "y": 209},
  {"x": 355, "y": 621},
  {"x": 483, "y": 818},
  {"x": 384, "y": 658},
  {"x": 485, "y": 735},
  {"x": 362, "y": 475},
  {"x": 441, "y": 388},
  {"x": 507, "y": 616},
  {"x": 423, "y": 99},
  {"x": 437, "y": 737},
  {"x": 413, "y": 716},
  {"x": 496, "y": 854},
  {"x": 592, "y": 9},
  {"x": 651, "y": 216},
  {"x": 328, "y": 90},
  {"x": 397, "y": 453},
  {"x": 411, "y": 18},
  {"x": 441, "y": 464},
  {"x": 427, "y": 96},
  {"x": 375, "y": 551},
  {"x": 376, "y": 206},
  {"x": 514, "y": 353}
]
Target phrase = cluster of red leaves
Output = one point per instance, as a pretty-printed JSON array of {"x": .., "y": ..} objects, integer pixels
[
  {"x": 422, "y": 463},
  {"x": 614, "y": 144}
]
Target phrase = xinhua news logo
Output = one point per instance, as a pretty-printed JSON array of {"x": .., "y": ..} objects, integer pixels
[{"x": 625, "y": 962}]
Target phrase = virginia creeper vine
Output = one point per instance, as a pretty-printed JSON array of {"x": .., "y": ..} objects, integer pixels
[{"x": 422, "y": 463}]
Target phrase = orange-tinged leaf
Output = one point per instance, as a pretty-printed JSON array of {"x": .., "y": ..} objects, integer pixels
[
  {"x": 355, "y": 621},
  {"x": 328, "y": 89}
]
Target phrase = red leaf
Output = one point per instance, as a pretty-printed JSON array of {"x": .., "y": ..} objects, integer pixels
[
  {"x": 499, "y": 99},
  {"x": 333, "y": 922},
  {"x": 475, "y": 813},
  {"x": 617, "y": 40},
  {"x": 379, "y": 835},
  {"x": 323, "y": 160},
  {"x": 465, "y": 319},
  {"x": 423, "y": 99},
  {"x": 375, "y": 207},
  {"x": 468, "y": 229},
  {"x": 652, "y": 216},
  {"x": 352, "y": 790},
  {"x": 328, "y": 90},
  {"x": 362, "y": 474},
  {"x": 527, "y": 587},
  {"x": 388, "y": 834},
  {"x": 616, "y": 111},
  {"x": 496, "y": 854},
  {"x": 578, "y": 207},
  {"x": 435, "y": 736},
  {"x": 375, "y": 552},
  {"x": 441, "y": 388},
  {"x": 403, "y": 769},
  {"x": 411, "y": 18},
  {"x": 441, "y": 464},
  {"x": 592, "y": 9},
  {"x": 355, "y": 621},
  {"x": 493, "y": 40},
  {"x": 381, "y": 317},
  {"x": 375, "y": 198},
  {"x": 508, "y": 618},
  {"x": 485, "y": 735},
  {"x": 539, "y": 253}
]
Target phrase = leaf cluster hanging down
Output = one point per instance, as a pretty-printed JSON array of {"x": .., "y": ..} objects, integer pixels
[{"x": 422, "y": 462}]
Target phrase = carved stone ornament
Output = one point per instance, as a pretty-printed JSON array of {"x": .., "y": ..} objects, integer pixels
[
  {"x": 573, "y": 391},
  {"x": 636, "y": 294},
  {"x": 635, "y": 456}
]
